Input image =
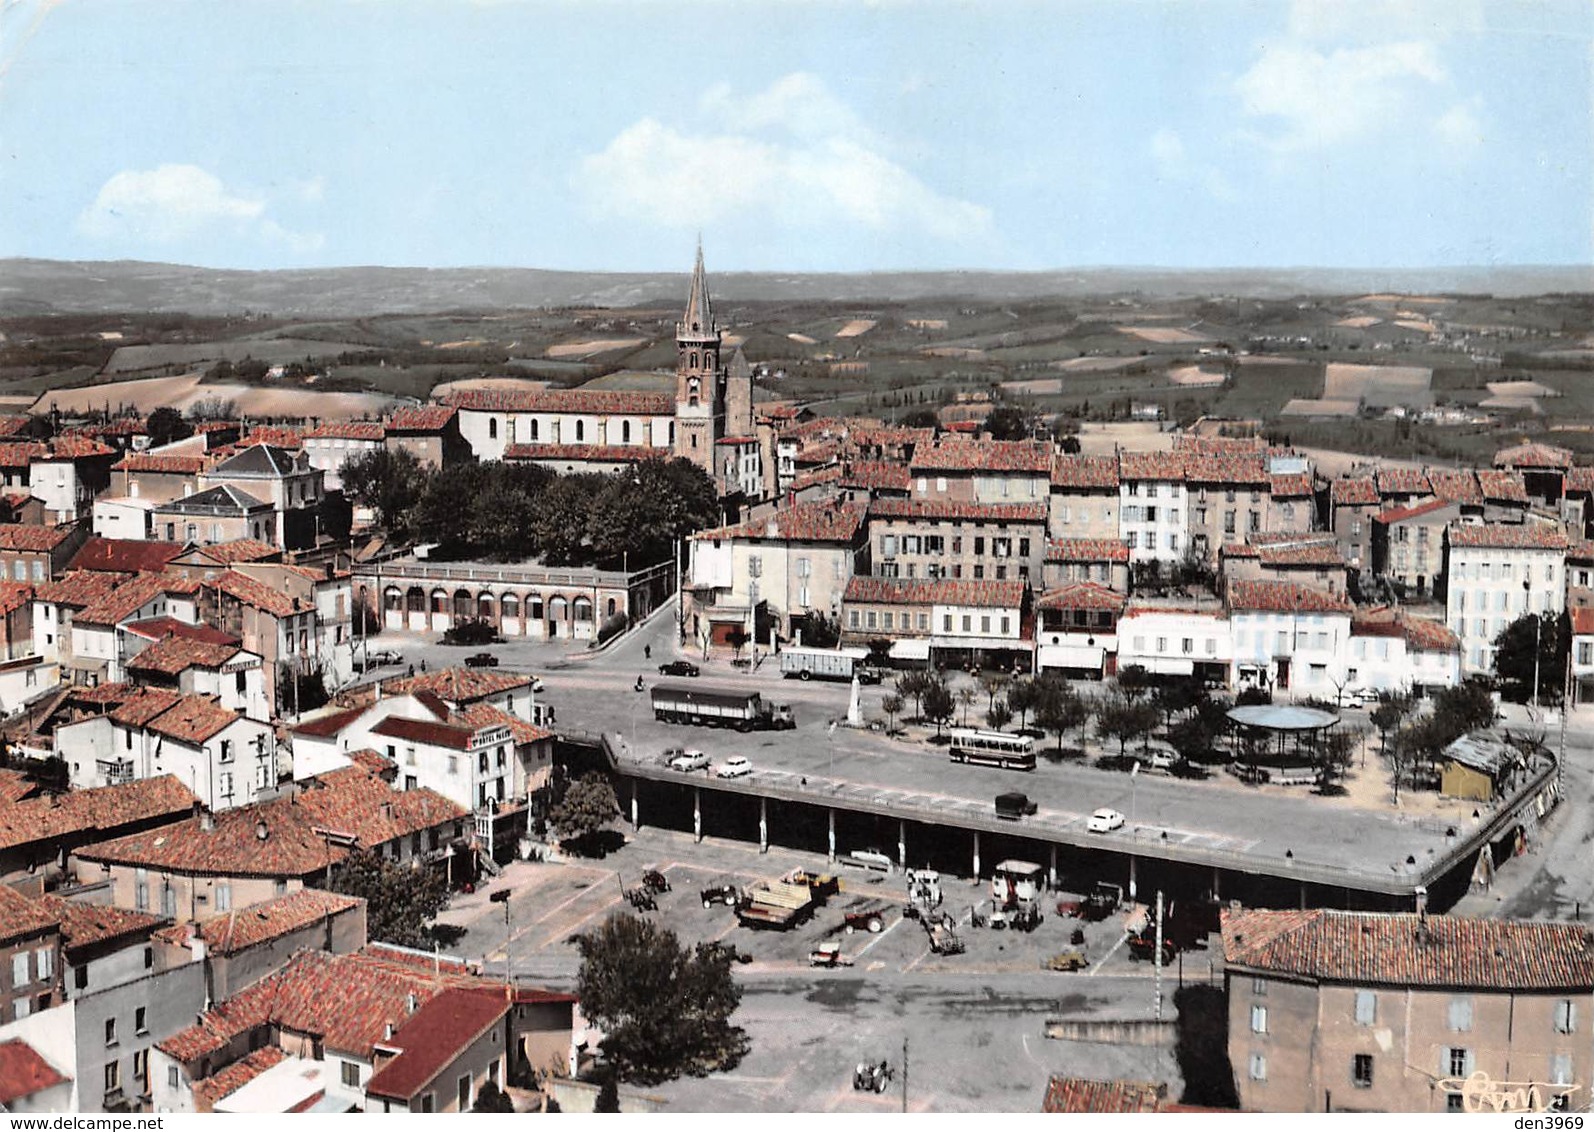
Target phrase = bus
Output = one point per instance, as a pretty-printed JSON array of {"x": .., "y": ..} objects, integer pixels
[{"x": 992, "y": 748}]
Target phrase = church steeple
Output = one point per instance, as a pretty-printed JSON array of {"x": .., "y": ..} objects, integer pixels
[{"x": 698, "y": 323}]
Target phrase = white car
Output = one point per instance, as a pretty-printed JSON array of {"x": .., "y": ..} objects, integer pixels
[
  {"x": 1158, "y": 755},
  {"x": 734, "y": 768},
  {"x": 1105, "y": 821},
  {"x": 689, "y": 760}
]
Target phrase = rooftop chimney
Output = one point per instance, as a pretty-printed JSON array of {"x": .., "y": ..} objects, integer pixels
[{"x": 207, "y": 821}]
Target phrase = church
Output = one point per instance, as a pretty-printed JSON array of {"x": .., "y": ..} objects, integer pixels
[{"x": 708, "y": 420}]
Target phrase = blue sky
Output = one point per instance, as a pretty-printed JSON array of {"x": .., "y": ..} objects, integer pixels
[{"x": 855, "y": 135}]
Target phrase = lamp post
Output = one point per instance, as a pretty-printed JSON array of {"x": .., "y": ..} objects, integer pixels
[{"x": 502, "y": 897}]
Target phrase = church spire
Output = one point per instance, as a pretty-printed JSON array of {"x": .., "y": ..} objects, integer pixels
[{"x": 699, "y": 318}]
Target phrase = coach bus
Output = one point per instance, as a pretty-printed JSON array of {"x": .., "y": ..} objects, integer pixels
[{"x": 992, "y": 748}]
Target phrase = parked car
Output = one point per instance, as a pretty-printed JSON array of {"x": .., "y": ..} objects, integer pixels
[
  {"x": 1159, "y": 756},
  {"x": 871, "y": 859},
  {"x": 678, "y": 668},
  {"x": 1072, "y": 959},
  {"x": 687, "y": 760},
  {"x": 1105, "y": 821},
  {"x": 383, "y": 658},
  {"x": 720, "y": 894},
  {"x": 734, "y": 767},
  {"x": 867, "y": 674},
  {"x": 481, "y": 660}
]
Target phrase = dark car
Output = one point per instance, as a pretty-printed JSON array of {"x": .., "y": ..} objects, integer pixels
[
  {"x": 678, "y": 668},
  {"x": 481, "y": 660},
  {"x": 868, "y": 675}
]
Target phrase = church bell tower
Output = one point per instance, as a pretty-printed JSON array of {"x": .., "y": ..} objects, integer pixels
[{"x": 699, "y": 377}]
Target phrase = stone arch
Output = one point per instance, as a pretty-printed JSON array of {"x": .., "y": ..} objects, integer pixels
[
  {"x": 581, "y": 609},
  {"x": 416, "y": 599},
  {"x": 392, "y": 599},
  {"x": 439, "y": 600},
  {"x": 464, "y": 604},
  {"x": 486, "y": 608},
  {"x": 510, "y": 606}
]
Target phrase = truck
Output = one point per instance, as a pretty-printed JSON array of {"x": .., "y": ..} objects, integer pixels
[
  {"x": 1013, "y": 805},
  {"x": 827, "y": 664},
  {"x": 776, "y": 904},
  {"x": 1015, "y": 895},
  {"x": 719, "y": 707}
]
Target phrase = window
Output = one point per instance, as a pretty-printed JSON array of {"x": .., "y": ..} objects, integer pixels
[
  {"x": 44, "y": 963},
  {"x": 1258, "y": 986},
  {"x": 140, "y": 1021},
  {"x": 1258, "y": 1067},
  {"x": 1453, "y": 1103},
  {"x": 464, "y": 1093},
  {"x": 113, "y": 1076},
  {"x": 80, "y": 977},
  {"x": 492, "y": 428},
  {"x": 110, "y": 1031},
  {"x": 224, "y": 897},
  {"x": 351, "y": 1074},
  {"x": 226, "y": 750},
  {"x": 1461, "y": 1014},
  {"x": 1361, "y": 1070},
  {"x": 1258, "y": 1019},
  {"x": 429, "y": 1102},
  {"x": 22, "y": 1008},
  {"x": 19, "y": 970},
  {"x": 1565, "y": 1016},
  {"x": 171, "y": 1076},
  {"x": 1366, "y": 1008},
  {"x": 141, "y": 1064}
]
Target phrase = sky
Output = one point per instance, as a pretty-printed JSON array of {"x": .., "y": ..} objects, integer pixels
[{"x": 798, "y": 135}]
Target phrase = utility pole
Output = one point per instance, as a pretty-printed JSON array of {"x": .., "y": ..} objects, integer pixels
[
  {"x": 502, "y": 897},
  {"x": 904, "y": 1073}
]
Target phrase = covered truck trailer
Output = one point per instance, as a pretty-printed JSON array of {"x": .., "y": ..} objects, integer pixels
[{"x": 719, "y": 707}]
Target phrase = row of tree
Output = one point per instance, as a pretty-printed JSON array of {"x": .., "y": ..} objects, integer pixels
[{"x": 508, "y": 512}]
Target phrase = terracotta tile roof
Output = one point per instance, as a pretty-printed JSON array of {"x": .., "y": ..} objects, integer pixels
[
  {"x": 1415, "y": 511},
  {"x": 21, "y": 453},
  {"x": 1402, "y": 481},
  {"x": 277, "y": 436},
  {"x": 194, "y": 719},
  {"x": 23, "y": 1072},
  {"x": 936, "y": 591},
  {"x": 1502, "y": 487},
  {"x": 864, "y": 435},
  {"x": 1082, "y": 595},
  {"x": 1021, "y": 456},
  {"x": 1296, "y": 485},
  {"x": 877, "y": 475},
  {"x": 1152, "y": 465},
  {"x": 13, "y": 424},
  {"x": 125, "y": 556},
  {"x": 101, "y": 808},
  {"x": 458, "y": 686},
  {"x": 830, "y": 473},
  {"x": 1226, "y": 469},
  {"x": 84, "y": 926},
  {"x": 932, "y": 509},
  {"x": 1579, "y": 477},
  {"x": 424, "y": 418},
  {"x": 330, "y": 724},
  {"x": 819, "y": 452},
  {"x": 1218, "y": 445},
  {"x": 220, "y": 1085},
  {"x": 349, "y": 802},
  {"x": 348, "y": 430},
  {"x": 172, "y": 463},
  {"x": 803, "y": 522},
  {"x": 480, "y": 715},
  {"x": 1545, "y": 456},
  {"x": 20, "y": 916},
  {"x": 434, "y": 1036},
  {"x": 14, "y": 595},
  {"x": 1457, "y": 486},
  {"x": 15, "y": 786},
  {"x": 254, "y": 593},
  {"x": 239, "y": 550},
  {"x": 1087, "y": 550},
  {"x": 27, "y": 537},
  {"x": 374, "y": 763},
  {"x": 1238, "y": 550},
  {"x": 426, "y": 731},
  {"x": 241, "y": 929},
  {"x": 603, "y": 453},
  {"x": 1507, "y": 536},
  {"x": 159, "y": 628},
  {"x": 1424, "y": 634},
  {"x": 77, "y": 448},
  {"x": 1353, "y": 491},
  {"x": 1077, "y": 1095},
  {"x": 137, "y": 706},
  {"x": 1403, "y": 949},
  {"x": 130, "y": 596},
  {"x": 1283, "y": 597},
  {"x": 597, "y": 401},
  {"x": 1302, "y": 550}
]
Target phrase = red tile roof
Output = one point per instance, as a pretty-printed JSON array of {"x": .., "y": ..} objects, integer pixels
[
  {"x": 1502, "y": 487},
  {"x": 135, "y": 706},
  {"x": 254, "y": 593},
  {"x": 458, "y": 686},
  {"x": 1545, "y": 456},
  {"x": 830, "y": 473},
  {"x": 1152, "y": 465},
  {"x": 166, "y": 463},
  {"x": 1226, "y": 469},
  {"x": 480, "y": 715},
  {"x": 434, "y": 1036},
  {"x": 23, "y": 1072},
  {"x": 1082, "y": 595},
  {"x": 77, "y": 448},
  {"x": 1087, "y": 550},
  {"x": 958, "y": 455},
  {"x": 11, "y": 425},
  {"x": 877, "y": 475},
  {"x": 1355, "y": 491},
  {"x": 937, "y": 591},
  {"x": 1507, "y": 536},
  {"x": 1296, "y": 485},
  {"x": 1415, "y": 511},
  {"x": 1218, "y": 445},
  {"x": 239, "y": 550},
  {"x": 193, "y": 720},
  {"x": 173, "y": 654},
  {"x": 20, "y": 916},
  {"x": 1085, "y": 472},
  {"x": 802, "y": 522},
  {"x": 1457, "y": 486},
  {"x": 596, "y": 401},
  {"x": 124, "y": 556},
  {"x": 1283, "y": 597},
  {"x": 220, "y": 1085},
  {"x": 27, "y": 537},
  {"x": 278, "y": 436},
  {"x": 425, "y": 731},
  {"x": 1424, "y": 634},
  {"x": 84, "y": 926},
  {"x": 1077, "y": 1095},
  {"x": 131, "y": 596},
  {"x": 424, "y": 418},
  {"x": 102, "y": 808},
  {"x": 1402, "y": 481},
  {"x": 1579, "y": 477},
  {"x": 20, "y": 453},
  {"x": 15, "y": 786},
  {"x": 159, "y": 628},
  {"x": 1299, "y": 550},
  {"x": 330, "y": 724},
  {"x": 597, "y": 453},
  {"x": 241, "y": 929},
  {"x": 14, "y": 595},
  {"x": 1403, "y": 949},
  {"x": 934, "y": 509},
  {"x": 348, "y": 430}
]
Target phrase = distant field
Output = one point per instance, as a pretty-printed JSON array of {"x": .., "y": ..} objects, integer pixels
[
  {"x": 149, "y": 394},
  {"x": 1197, "y": 375},
  {"x": 592, "y": 347},
  {"x": 509, "y": 383},
  {"x": 632, "y": 379},
  {"x": 1087, "y": 365},
  {"x": 1163, "y": 335},
  {"x": 856, "y": 327},
  {"x": 1318, "y": 407},
  {"x": 1378, "y": 385},
  {"x": 131, "y": 359}
]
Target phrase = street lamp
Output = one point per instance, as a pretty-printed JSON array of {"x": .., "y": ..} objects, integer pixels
[
  {"x": 1538, "y": 631},
  {"x": 502, "y": 897}
]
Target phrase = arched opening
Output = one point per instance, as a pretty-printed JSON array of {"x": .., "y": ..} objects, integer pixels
[
  {"x": 439, "y": 601},
  {"x": 558, "y": 609},
  {"x": 484, "y": 608},
  {"x": 492, "y": 428},
  {"x": 510, "y": 606},
  {"x": 583, "y": 609},
  {"x": 534, "y": 607},
  {"x": 581, "y": 431},
  {"x": 625, "y": 432},
  {"x": 463, "y": 603},
  {"x": 392, "y": 599},
  {"x": 533, "y": 430},
  {"x": 612, "y": 608},
  {"x": 417, "y": 599}
]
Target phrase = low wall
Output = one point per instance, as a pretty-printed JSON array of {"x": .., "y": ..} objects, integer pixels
[{"x": 1116, "y": 1031}]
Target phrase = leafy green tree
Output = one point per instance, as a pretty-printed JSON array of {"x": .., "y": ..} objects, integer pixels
[
  {"x": 1059, "y": 709},
  {"x": 1390, "y": 713},
  {"x": 166, "y": 425},
  {"x": 919, "y": 418},
  {"x": 1124, "y": 719},
  {"x": 559, "y": 528},
  {"x": 586, "y": 806},
  {"x": 998, "y": 715},
  {"x": 492, "y": 1099},
  {"x": 1466, "y": 707},
  {"x": 443, "y": 513},
  {"x": 938, "y": 703},
  {"x": 1546, "y": 636},
  {"x": 608, "y": 1098},
  {"x": 665, "y": 1009},
  {"x": 1022, "y": 698},
  {"x": 892, "y": 706},
  {"x": 1007, "y": 422},
  {"x": 1177, "y": 697},
  {"x": 1134, "y": 681},
  {"x": 387, "y": 481},
  {"x": 400, "y": 901},
  {"x": 643, "y": 512},
  {"x": 737, "y": 638},
  {"x": 912, "y": 685}
]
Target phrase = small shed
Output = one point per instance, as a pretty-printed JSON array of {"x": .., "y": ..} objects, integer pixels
[{"x": 1475, "y": 767}]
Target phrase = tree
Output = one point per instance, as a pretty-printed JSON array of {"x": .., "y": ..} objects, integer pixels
[
  {"x": 1134, "y": 681},
  {"x": 1022, "y": 698},
  {"x": 993, "y": 683},
  {"x": 1390, "y": 713},
  {"x": 892, "y": 706},
  {"x": 919, "y": 418},
  {"x": 1331, "y": 755},
  {"x": 966, "y": 697},
  {"x": 737, "y": 638},
  {"x": 559, "y": 529},
  {"x": 608, "y": 1098},
  {"x": 400, "y": 900},
  {"x": 1466, "y": 707},
  {"x": 1059, "y": 708},
  {"x": 642, "y": 512},
  {"x": 1124, "y": 719},
  {"x": 1007, "y": 422},
  {"x": 665, "y": 1009},
  {"x": 938, "y": 702},
  {"x": 998, "y": 715},
  {"x": 912, "y": 685},
  {"x": 389, "y": 482},
  {"x": 586, "y": 806},
  {"x": 1530, "y": 636},
  {"x": 1176, "y": 697},
  {"x": 166, "y": 425},
  {"x": 818, "y": 631},
  {"x": 492, "y": 1099}
]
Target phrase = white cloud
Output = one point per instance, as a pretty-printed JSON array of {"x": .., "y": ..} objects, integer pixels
[
  {"x": 1321, "y": 98},
  {"x": 1461, "y": 128},
  {"x": 1174, "y": 163},
  {"x": 792, "y": 154},
  {"x": 174, "y": 203}
]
